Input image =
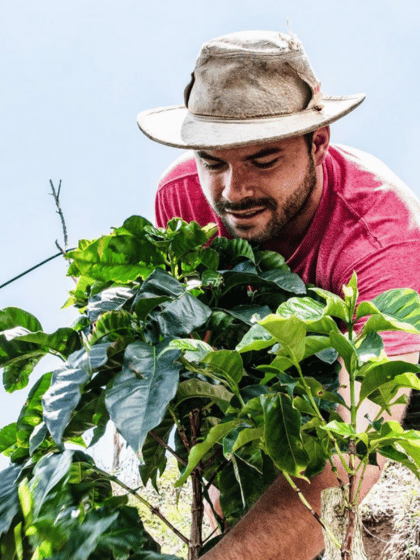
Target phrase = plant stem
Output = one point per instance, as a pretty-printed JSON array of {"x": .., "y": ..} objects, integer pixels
[
  {"x": 152, "y": 509},
  {"x": 312, "y": 511},
  {"x": 197, "y": 506},
  {"x": 168, "y": 448}
]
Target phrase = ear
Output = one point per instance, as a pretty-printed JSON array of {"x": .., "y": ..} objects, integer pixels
[{"x": 320, "y": 143}]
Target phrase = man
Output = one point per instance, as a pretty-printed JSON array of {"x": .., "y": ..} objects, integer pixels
[{"x": 263, "y": 169}]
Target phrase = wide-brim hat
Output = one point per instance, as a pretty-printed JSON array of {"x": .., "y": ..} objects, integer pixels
[{"x": 248, "y": 87}]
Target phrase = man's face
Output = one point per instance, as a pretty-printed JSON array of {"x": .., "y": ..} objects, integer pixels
[{"x": 258, "y": 190}]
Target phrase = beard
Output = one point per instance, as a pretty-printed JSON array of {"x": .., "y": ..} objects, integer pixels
[{"x": 282, "y": 214}]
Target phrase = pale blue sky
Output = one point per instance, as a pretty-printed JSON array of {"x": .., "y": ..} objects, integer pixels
[{"x": 76, "y": 73}]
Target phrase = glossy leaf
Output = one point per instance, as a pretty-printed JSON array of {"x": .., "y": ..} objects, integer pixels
[
  {"x": 344, "y": 347},
  {"x": 240, "y": 437},
  {"x": 282, "y": 434},
  {"x": 9, "y": 499},
  {"x": 116, "y": 258},
  {"x": 66, "y": 385},
  {"x": 108, "y": 300},
  {"x": 140, "y": 394},
  {"x": 397, "y": 309},
  {"x": 8, "y": 437},
  {"x": 195, "y": 350},
  {"x": 182, "y": 316},
  {"x": 249, "y": 314},
  {"x": 193, "y": 388},
  {"x": 199, "y": 450},
  {"x": 256, "y": 338},
  {"x": 289, "y": 332},
  {"x": 11, "y": 317},
  {"x": 288, "y": 281},
  {"x": 48, "y": 472},
  {"x": 153, "y": 454},
  {"x": 335, "y": 306},
  {"x": 226, "y": 364},
  {"x": 311, "y": 312},
  {"x": 370, "y": 348},
  {"x": 381, "y": 373},
  {"x": 110, "y": 322}
]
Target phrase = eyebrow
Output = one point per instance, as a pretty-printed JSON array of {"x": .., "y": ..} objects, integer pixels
[{"x": 264, "y": 152}]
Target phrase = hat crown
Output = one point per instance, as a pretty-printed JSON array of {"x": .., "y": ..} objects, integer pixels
[{"x": 252, "y": 74}]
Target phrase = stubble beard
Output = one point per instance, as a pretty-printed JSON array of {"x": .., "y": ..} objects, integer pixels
[{"x": 294, "y": 205}]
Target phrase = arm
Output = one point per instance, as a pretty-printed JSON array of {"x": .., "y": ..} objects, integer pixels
[{"x": 278, "y": 526}]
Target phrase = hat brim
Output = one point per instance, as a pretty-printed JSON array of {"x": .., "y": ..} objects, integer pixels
[{"x": 177, "y": 127}]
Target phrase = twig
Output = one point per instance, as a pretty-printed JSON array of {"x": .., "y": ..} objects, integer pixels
[
  {"x": 168, "y": 448},
  {"x": 312, "y": 511},
  {"x": 56, "y": 195},
  {"x": 153, "y": 509}
]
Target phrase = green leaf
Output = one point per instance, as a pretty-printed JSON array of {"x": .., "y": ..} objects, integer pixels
[
  {"x": 268, "y": 260},
  {"x": 135, "y": 225},
  {"x": 48, "y": 472},
  {"x": 256, "y": 338},
  {"x": 66, "y": 385},
  {"x": 397, "y": 309},
  {"x": 37, "y": 436},
  {"x": 182, "y": 316},
  {"x": 193, "y": 388},
  {"x": 344, "y": 347},
  {"x": 153, "y": 454},
  {"x": 116, "y": 258},
  {"x": 282, "y": 436},
  {"x": 140, "y": 394},
  {"x": 249, "y": 314},
  {"x": 371, "y": 347},
  {"x": 289, "y": 332},
  {"x": 236, "y": 249},
  {"x": 335, "y": 306},
  {"x": 381, "y": 373},
  {"x": 9, "y": 499},
  {"x": 317, "y": 455},
  {"x": 286, "y": 280},
  {"x": 145, "y": 305},
  {"x": 124, "y": 536},
  {"x": 8, "y": 437},
  {"x": 160, "y": 283},
  {"x": 216, "y": 434},
  {"x": 226, "y": 364},
  {"x": 311, "y": 312},
  {"x": 239, "y": 437},
  {"x": 341, "y": 428},
  {"x": 107, "y": 300},
  {"x": 117, "y": 321},
  {"x": 16, "y": 374},
  {"x": 195, "y": 350},
  {"x": 64, "y": 341},
  {"x": 316, "y": 344},
  {"x": 11, "y": 317}
]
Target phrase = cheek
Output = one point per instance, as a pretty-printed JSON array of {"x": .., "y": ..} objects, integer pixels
[{"x": 211, "y": 187}]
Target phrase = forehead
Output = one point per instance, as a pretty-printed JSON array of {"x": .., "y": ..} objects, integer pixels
[{"x": 261, "y": 149}]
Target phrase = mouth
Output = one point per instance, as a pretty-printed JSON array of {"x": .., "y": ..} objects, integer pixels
[{"x": 245, "y": 214}]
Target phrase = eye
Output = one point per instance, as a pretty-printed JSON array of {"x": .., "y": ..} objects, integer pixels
[
  {"x": 265, "y": 164},
  {"x": 211, "y": 166}
]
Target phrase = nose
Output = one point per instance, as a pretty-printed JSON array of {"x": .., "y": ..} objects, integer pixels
[{"x": 237, "y": 184}]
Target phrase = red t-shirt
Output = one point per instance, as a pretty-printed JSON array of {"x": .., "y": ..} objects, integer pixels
[{"x": 367, "y": 221}]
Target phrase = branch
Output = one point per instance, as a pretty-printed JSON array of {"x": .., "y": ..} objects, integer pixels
[
  {"x": 56, "y": 195},
  {"x": 166, "y": 446},
  {"x": 153, "y": 509}
]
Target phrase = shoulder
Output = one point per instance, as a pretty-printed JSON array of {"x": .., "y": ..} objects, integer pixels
[{"x": 182, "y": 168}]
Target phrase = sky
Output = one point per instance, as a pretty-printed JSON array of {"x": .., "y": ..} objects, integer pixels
[{"x": 76, "y": 74}]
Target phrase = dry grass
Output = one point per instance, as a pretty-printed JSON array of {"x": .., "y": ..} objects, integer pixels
[{"x": 391, "y": 512}]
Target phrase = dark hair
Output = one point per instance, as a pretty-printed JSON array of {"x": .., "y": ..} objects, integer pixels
[{"x": 309, "y": 139}]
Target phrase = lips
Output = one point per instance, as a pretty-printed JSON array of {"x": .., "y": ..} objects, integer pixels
[{"x": 246, "y": 214}]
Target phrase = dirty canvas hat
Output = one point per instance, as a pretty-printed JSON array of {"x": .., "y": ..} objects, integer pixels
[{"x": 247, "y": 87}]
